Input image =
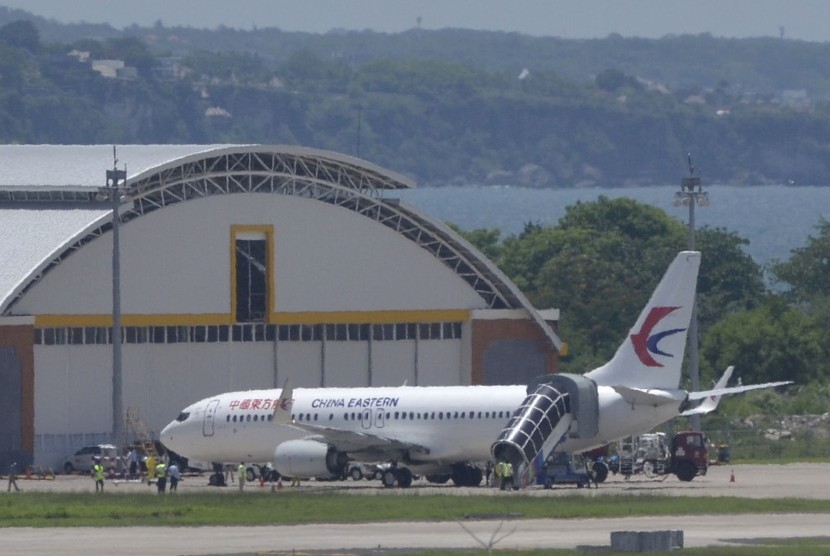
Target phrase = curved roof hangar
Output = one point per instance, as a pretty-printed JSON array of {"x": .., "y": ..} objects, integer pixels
[{"x": 51, "y": 210}]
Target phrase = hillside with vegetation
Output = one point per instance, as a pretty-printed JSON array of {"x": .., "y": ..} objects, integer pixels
[{"x": 444, "y": 107}]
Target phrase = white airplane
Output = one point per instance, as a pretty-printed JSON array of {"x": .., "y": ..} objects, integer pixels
[{"x": 446, "y": 431}]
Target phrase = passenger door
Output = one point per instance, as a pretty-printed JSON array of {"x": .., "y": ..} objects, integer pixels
[{"x": 210, "y": 413}]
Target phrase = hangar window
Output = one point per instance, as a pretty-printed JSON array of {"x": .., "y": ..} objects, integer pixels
[
  {"x": 337, "y": 332},
  {"x": 383, "y": 332},
  {"x": 173, "y": 335},
  {"x": 76, "y": 336},
  {"x": 212, "y": 333},
  {"x": 157, "y": 336},
  {"x": 455, "y": 327},
  {"x": 311, "y": 333},
  {"x": 198, "y": 334},
  {"x": 252, "y": 266}
]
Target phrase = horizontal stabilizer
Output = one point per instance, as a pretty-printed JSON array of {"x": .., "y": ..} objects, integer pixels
[{"x": 654, "y": 398}]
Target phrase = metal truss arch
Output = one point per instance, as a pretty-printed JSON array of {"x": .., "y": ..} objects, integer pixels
[{"x": 323, "y": 176}]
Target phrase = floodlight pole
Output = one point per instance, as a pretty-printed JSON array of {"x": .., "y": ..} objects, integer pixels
[
  {"x": 113, "y": 192},
  {"x": 691, "y": 193}
]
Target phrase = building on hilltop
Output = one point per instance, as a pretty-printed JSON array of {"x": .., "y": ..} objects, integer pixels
[{"x": 241, "y": 266}]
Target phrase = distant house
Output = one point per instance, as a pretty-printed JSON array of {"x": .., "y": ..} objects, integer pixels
[{"x": 115, "y": 69}]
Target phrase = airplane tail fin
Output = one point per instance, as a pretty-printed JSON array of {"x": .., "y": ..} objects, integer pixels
[
  {"x": 652, "y": 354},
  {"x": 282, "y": 412}
]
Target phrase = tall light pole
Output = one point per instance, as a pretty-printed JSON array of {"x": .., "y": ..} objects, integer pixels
[
  {"x": 112, "y": 192},
  {"x": 691, "y": 194}
]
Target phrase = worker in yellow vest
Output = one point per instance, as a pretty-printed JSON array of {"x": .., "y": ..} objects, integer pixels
[
  {"x": 98, "y": 474},
  {"x": 161, "y": 477},
  {"x": 241, "y": 475}
]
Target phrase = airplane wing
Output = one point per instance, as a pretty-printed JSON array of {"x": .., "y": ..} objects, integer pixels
[
  {"x": 375, "y": 446},
  {"x": 372, "y": 445}
]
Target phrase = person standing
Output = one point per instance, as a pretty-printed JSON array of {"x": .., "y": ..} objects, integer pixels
[
  {"x": 151, "y": 468},
  {"x": 175, "y": 475},
  {"x": 161, "y": 476},
  {"x": 508, "y": 475},
  {"x": 133, "y": 459},
  {"x": 98, "y": 474},
  {"x": 13, "y": 477},
  {"x": 241, "y": 475}
]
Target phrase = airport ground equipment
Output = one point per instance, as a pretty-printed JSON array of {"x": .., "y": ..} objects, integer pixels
[
  {"x": 556, "y": 407},
  {"x": 657, "y": 455},
  {"x": 561, "y": 469}
]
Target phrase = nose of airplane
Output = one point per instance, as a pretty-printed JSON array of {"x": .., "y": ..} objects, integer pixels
[{"x": 168, "y": 435}]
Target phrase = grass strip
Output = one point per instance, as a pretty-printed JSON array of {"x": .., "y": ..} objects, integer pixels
[{"x": 284, "y": 508}]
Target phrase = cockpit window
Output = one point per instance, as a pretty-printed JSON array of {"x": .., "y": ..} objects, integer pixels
[{"x": 183, "y": 416}]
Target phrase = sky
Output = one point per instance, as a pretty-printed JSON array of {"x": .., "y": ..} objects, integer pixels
[{"x": 795, "y": 19}]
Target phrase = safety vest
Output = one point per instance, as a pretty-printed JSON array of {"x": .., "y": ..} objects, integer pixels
[
  {"x": 99, "y": 471},
  {"x": 160, "y": 468},
  {"x": 507, "y": 469},
  {"x": 241, "y": 472}
]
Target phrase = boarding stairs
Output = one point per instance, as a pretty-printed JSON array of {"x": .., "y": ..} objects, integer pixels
[{"x": 557, "y": 407}]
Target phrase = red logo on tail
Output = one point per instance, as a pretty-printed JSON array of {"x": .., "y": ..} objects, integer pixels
[{"x": 645, "y": 343}]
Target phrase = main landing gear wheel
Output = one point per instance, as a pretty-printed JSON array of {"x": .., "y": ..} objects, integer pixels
[
  {"x": 466, "y": 475},
  {"x": 400, "y": 476},
  {"x": 356, "y": 473},
  {"x": 600, "y": 470}
]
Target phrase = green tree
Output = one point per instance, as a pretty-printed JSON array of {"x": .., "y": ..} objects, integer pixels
[
  {"x": 486, "y": 240},
  {"x": 21, "y": 34},
  {"x": 807, "y": 272},
  {"x": 771, "y": 342}
]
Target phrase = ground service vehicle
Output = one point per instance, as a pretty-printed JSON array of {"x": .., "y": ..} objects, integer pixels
[
  {"x": 654, "y": 454},
  {"x": 562, "y": 469},
  {"x": 82, "y": 459}
]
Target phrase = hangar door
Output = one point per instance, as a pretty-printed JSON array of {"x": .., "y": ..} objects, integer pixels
[{"x": 10, "y": 407}]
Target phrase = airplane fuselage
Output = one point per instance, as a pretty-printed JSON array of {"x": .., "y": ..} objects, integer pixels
[{"x": 446, "y": 424}]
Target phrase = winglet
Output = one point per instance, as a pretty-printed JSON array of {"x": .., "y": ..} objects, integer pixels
[
  {"x": 282, "y": 413},
  {"x": 709, "y": 404}
]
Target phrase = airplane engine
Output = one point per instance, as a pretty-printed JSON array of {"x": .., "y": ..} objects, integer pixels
[{"x": 308, "y": 458}]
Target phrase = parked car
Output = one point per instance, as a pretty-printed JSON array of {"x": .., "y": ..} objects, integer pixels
[{"x": 82, "y": 459}]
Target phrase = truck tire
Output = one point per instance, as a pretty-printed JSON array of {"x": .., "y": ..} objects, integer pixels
[{"x": 685, "y": 470}]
